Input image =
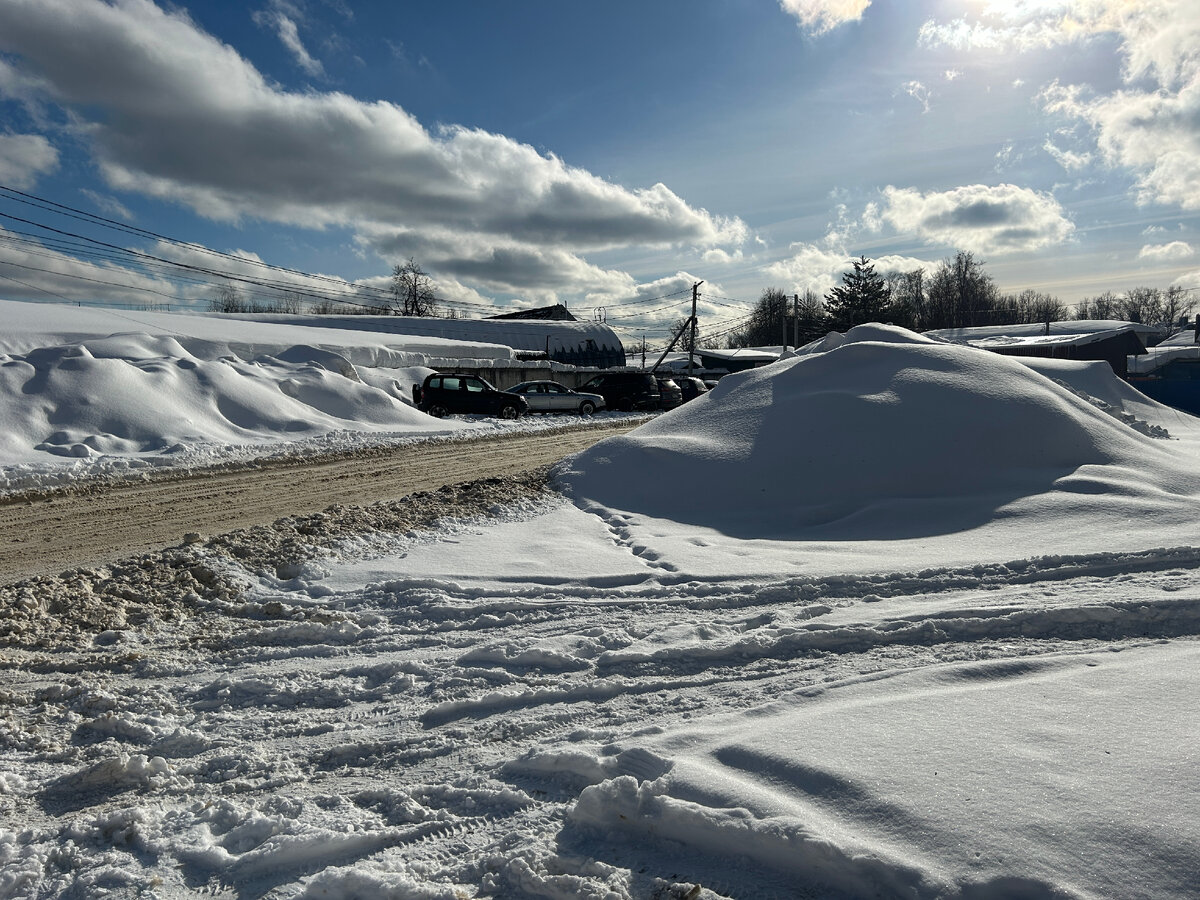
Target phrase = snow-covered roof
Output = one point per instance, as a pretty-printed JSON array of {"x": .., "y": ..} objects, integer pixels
[
  {"x": 520, "y": 334},
  {"x": 742, "y": 354},
  {"x": 1073, "y": 332},
  {"x": 1185, "y": 338}
]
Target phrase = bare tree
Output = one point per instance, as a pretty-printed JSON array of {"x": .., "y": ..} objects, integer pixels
[
  {"x": 1031, "y": 306},
  {"x": 766, "y": 321},
  {"x": 412, "y": 291},
  {"x": 961, "y": 294},
  {"x": 1177, "y": 308}
]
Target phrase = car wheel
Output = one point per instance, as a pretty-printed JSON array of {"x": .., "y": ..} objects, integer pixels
[
  {"x": 438, "y": 411},
  {"x": 509, "y": 411},
  {"x": 587, "y": 407},
  {"x": 625, "y": 404}
]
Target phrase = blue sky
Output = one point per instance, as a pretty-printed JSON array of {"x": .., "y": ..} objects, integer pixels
[{"x": 602, "y": 155}]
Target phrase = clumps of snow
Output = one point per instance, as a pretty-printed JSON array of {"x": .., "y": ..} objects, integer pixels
[{"x": 100, "y": 605}]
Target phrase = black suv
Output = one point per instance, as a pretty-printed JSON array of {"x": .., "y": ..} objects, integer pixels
[
  {"x": 690, "y": 386},
  {"x": 443, "y": 394},
  {"x": 625, "y": 391}
]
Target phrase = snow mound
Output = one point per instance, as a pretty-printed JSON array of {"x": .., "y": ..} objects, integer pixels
[
  {"x": 888, "y": 434},
  {"x": 141, "y": 393}
]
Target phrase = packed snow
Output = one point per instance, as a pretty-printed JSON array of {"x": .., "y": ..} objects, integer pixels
[{"x": 890, "y": 617}]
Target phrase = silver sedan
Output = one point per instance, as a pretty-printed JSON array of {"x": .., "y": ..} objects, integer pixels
[{"x": 550, "y": 396}]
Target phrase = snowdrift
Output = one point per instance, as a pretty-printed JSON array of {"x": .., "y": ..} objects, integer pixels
[
  {"x": 885, "y": 434},
  {"x": 1058, "y": 777},
  {"x": 141, "y": 393}
]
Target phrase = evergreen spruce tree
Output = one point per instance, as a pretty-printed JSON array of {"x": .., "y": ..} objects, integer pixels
[{"x": 863, "y": 296}]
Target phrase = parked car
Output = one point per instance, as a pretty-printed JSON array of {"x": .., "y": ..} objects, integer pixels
[
  {"x": 550, "y": 396},
  {"x": 443, "y": 394},
  {"x": 691, "y": 386},
  {"x": 625, "y": 390},
  {"x": 669, "y": 391}
]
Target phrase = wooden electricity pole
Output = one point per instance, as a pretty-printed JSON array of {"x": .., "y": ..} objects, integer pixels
[{"x": 692, "y": 348}]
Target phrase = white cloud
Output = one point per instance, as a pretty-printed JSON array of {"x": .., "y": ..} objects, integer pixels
[
  {"x": 1152, "y": 125},
  {"x": 810, "y": 268},
  {"x": 819, "y": 269},
  {"x": 540, "y": 271},
  {"x": 1070, "y": 160},
  {"x": 918, "y": 92},
  {"x": 951, "y": 74},
  {"x": 987, "y": 219},
  {"x": 110, "y": 206},
  {"x": 719, "y": 257},
  {"x": 1166, "y": 252},
  {"x": 181, "y": 116},
  {"x": 1156, "y": 134},
  {"x": 34, "y": 272},
  {"x": 820, "y": 16},
  {"x": 281, "y": 16},
  {"x": 25, "y": 157},
  {"x": 1188, "y": 281}
]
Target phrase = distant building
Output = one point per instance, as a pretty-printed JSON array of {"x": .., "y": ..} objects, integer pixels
[
  {"x": 555, "y": 313},
  {"x": 737, "y": 360},
  {"x": 1170, "y": 372},
  {"x": 576, "y": 343},
  {"x": 1113, "y": 342}
]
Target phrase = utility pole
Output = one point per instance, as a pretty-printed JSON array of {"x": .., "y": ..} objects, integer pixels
[
  {"x": 643, "y": 351},
  {"x": 796, "y": 320},
  {"x": 692, "y": 348}
]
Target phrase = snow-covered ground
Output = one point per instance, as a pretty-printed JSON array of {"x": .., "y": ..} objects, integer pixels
[
  {"x": 88, "y": 393},
  {"x": 891, "y": 618}
]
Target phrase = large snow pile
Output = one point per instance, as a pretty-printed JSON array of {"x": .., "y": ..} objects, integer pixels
[
  {"x": 891, "y": 435},
  {"x": 101, "y": 392},
  {"x": 139, "y": 393}
]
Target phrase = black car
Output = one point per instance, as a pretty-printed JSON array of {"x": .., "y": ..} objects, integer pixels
[
  {"x": 444, "y": 394},
  {"x": 690, "y": 386},
  {"x": 625, "y": 391},
  {"x": 670, "y": 392}
]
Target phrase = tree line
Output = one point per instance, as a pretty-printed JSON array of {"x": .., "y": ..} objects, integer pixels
[{"x": 958, "y": 294}]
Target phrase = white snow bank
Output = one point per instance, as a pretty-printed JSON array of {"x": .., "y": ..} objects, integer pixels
[
  {"x": 887, "y": 435},
  {"x": 87, "y": 393},
  {"x": 141, "y": 393},
  {"x": 1052, "y": 777}
]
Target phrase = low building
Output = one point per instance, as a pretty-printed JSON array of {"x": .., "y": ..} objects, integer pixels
[
  {"x": 575, "y": 343},
  {"x": 1113, "y": 342},
  {"x": 737, "y": 360}
]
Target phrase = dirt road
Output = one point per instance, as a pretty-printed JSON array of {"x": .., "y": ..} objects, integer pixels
[{"x": 100, "y": 524}]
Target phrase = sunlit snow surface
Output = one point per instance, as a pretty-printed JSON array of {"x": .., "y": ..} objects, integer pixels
[
  {"x": 88, "y": 393},
  {"x": 891, "y": 619}
]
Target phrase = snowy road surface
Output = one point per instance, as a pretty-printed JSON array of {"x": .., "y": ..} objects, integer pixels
[{"x": 48, "y": 533}]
